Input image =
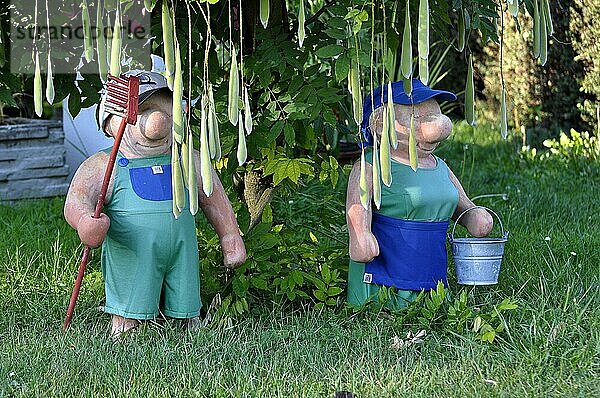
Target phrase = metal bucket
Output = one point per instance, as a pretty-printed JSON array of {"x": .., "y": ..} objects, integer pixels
[{"x": 477, "y": 260}]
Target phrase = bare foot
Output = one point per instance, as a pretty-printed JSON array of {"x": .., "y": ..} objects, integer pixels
[{"x": 121, "y": 325}]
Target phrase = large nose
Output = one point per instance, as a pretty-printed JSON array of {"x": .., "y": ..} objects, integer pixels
[
  {"x": 435, "y": 128},
  {"x": 155, "y": 125}
]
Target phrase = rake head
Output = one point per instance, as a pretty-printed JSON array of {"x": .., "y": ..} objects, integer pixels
[{"x": 122, "y": 97}]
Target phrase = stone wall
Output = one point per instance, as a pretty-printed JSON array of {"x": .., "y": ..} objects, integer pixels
[{"x": 32, "y": 160}]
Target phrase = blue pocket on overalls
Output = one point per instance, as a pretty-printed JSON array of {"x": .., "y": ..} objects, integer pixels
[
  {"x": 152, "y": 183},
  {"x": 412, "y": 254}
]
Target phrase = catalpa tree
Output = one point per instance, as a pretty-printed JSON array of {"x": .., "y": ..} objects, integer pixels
[{"x": 265, "y": 89}]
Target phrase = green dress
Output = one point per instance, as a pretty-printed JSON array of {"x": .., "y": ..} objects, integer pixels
[
  {"x": 149, "y": 258},
  {"x": 425, "y": 195}
]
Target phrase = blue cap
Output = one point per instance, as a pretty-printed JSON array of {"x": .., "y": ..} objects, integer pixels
[{"x": 420, "y": 93}]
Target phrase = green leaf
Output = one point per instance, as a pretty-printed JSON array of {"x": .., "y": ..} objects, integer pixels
[
  {"x": 507, "y": 304},
  {"x": 298, "y": 278},
  {"x": 329, "y": 116},
  {"x": 282, "y": 168},
  {"x": 338, "y": 34},
  {"x": 329, "y": 94},
  {"x": 240, "y": 286},
  {"x": 74, "y": 102},
  {"x": 326, "y": 273},
  {"x": 259, "y": 283},
  {"x": 342, "y": 67},
  {"x": 337, "y": 22},
  {"x": 289, "y": 134},
  {"x": 291, "y": 295},
  {"x": 330, "y": 51},
  {"x": 320, "y": 295},
  {"x": 295, "y": 83},
  {"x": 6, "y": 97},
  {"x": 275, "y": 131},
  {"x": 311, "y": 70}
]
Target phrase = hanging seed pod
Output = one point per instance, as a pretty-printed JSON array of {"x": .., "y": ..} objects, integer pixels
[
  {"x": 177, "y": 181},
  {"x": 115, "y": 47},
  {"x": 301, "y": 22},
  {"x": 412, "y": 144},
  {"x": 88, "y": 48},
  {"x": 462, "y": 30},
  {"x": 547, "y": 17},
  {"x": 101, "y": 46},
  {"x": 424, "y": 41},
  {"x": 205, "y": 166},
  {"x": 242, "y": 151},
  {"x": 184, "y": 160},
  {"x": 376, "y": 175},
  {"x": 423, "y": 70},
  {"x": 213, "y": 127},
  {"x": 217, "y": 155},
  {"x": 470, "y": 94},
  {"x": 407, "y": 83},
  {"x": 212, "y": 143},
  {"x": 406, "y": 57},
  {"x": 385, "y": 152},
  {"x": 176, "y": 211},
  {"x": 37, "y": 87},
  {"x": 391, "y": 117},
  {"x": 349, "y": 80},
  {"x": 264, "y": 12},
  {"x": 148, "y": 5},
  {"x": 503, "y": 115},
  {"x": 356, "y": 91},
  {"x": 178, "y": 118},
  {"x": 247, "y": 112},
  {"x": 234, "y": 89},
  {"x": 192, "y": 182},
  {"x": 543, "y": 40},
  {"x": 362, "y": 182},
  {"x": 108, "y": 44},
  {"x": 513, "y": 7},
  {"x": 213, "y": 130},
  {"x": 49, "y": 82},
  {"x": 168, "y": 43},
  {"x": 537, "y": 43},
  {"x": 423, "y": 29}
]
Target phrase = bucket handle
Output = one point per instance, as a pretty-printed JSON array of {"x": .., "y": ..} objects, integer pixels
[{"x": 504, "y": 233}]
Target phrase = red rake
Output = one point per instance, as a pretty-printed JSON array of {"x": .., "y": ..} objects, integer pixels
[{"x": 121, "y": 100}]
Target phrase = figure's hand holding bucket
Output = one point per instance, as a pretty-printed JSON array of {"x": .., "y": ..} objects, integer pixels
[{"x": 477, "y": 260}]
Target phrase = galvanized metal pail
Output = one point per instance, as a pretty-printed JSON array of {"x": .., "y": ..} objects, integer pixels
[{"x": 477, "y": 260}]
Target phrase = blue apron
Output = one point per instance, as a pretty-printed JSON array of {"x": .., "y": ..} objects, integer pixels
[{"x": 412, "y": 253}]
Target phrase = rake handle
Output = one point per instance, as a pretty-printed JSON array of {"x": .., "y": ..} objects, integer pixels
[{"x": 86, "y": 251}]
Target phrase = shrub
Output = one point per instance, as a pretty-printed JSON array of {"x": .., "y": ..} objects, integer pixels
[
  {"x": 585, "y": 27},
  {"x": 297, "y": 253},
  {"x": 541, "y": 99}
]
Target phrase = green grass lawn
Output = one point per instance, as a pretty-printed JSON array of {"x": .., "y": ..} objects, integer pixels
[{"x": 551, "y": 346}]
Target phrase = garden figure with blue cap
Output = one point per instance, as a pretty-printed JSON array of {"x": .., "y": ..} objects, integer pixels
[
  {"x": 402, "y": 242},
  {"x": 149, "y": 258}
]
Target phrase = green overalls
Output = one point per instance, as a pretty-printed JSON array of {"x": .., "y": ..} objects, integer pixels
[
  {"x": 149, "y": 258},
  {"x": 411, "y": 224}
]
